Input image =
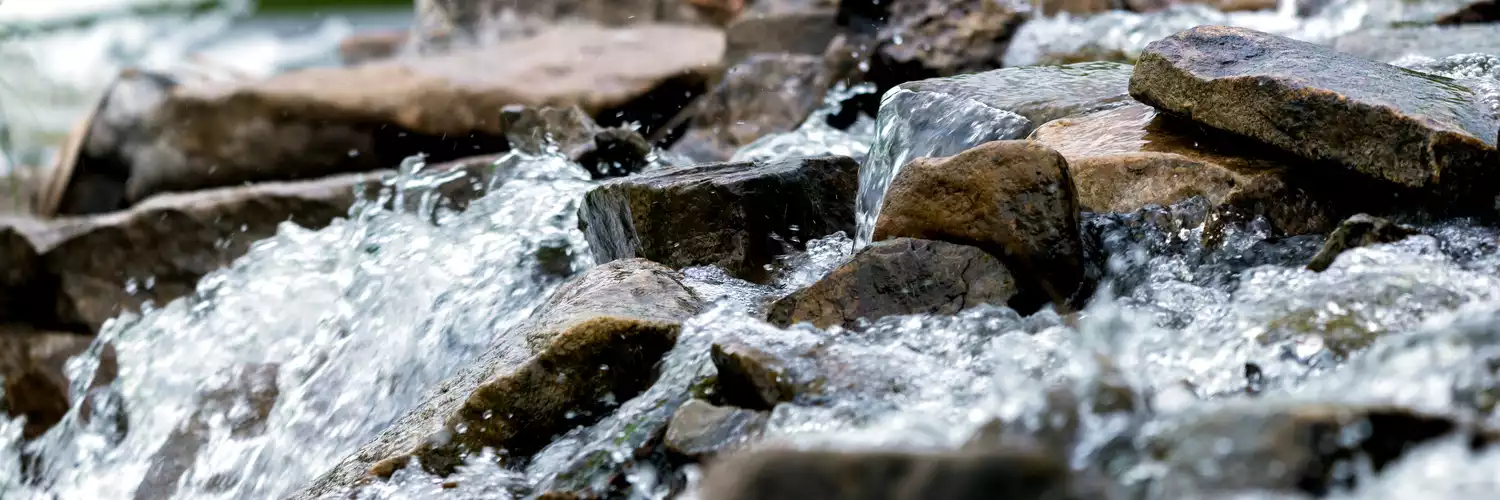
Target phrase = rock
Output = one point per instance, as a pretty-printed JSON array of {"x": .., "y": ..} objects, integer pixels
[
  {"x": 538, "y": 379},
  {"x": 797, "y": 32},
  {"x": 700, "y": 430},
  {"x": 23, "y": 281},
  {"x": 900, "y": 276},
  {"x": 157, "y": 251},
  {"x": 1358, "y": 231},
  {"x": 1287, "y": 448},
  {"x": 322, "y": 121},
  {"x": 604, "y": 151},
  {"x": 35, "y": 384},
  {"x": 94, "y": 165},
  {"x": 765, "y": 94},
  {"x": 996, "y": 473},
  {"x": 363, "y": 47},
  {"x": 1482, "y": 11},
  {"x": 1038, "y": 94},
  {"x": 1078, "y": 7},
  {"x": 1221, "y": 5},
  {"x": 926, "y": 39},
  {"x": 1411, "y": 132},
  {"x": 1126, "y": 158},
  {"x": 750, "y": 377},
  {"x": 1013, "y": 199},
  {"x": 1391, "y": 44},
  {"x": 738, "y": 216},
  {"x": 614, "y": 152},
  {"x": 238, "y": 401}
]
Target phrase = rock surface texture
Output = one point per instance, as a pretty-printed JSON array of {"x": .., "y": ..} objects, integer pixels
[
  {"x": 738, "y": 216},
  {"x": 1410, "y": 131},
  {"x": 1013, "y": 199},
  {"x": 765, "y": 94},
  {"x": 1358, "y": 231}
]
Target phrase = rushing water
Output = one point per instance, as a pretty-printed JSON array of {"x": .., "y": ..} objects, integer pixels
[{"x": 344, "y": 328}]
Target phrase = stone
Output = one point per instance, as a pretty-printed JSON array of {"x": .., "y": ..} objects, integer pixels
[
  {"x": 604, "y": 151},
  {"x": 1410, "y": 132},
  {"x": 35, "y": 383},
  {"x": 806, "y": 32},
  {"x": 775, "y": 473},
  {"x": 1013, "y": 199},
  {"x": 1391, "y": 44},
  {"x": 94, "y": 164},
  {"x": 156, "y": 251},
  {"x": 614, "y": 152},
  {"x": 24, "y": 295},
  {"x": 1287, "y": 447},
  {"x": 926, "y": 39},
  {"x": 238, "y": 401},
  {"x": 701, "y": 430},
  {"x": 476, "y": 22},
  {"x": 899, "y": 276},
  {"x": 1038, "y": 94},
  {"x": 765, "y": 94},
  {"x": 1358, "y": 231},
  {"x": 597, "y": 339},
  {"x": 1220, "y": 5},
  {"x": 366, "y": 46},
  {"x": 1079, "y": 7},
  {"x": 323, "y": 121},
  {"x": 1482, "y": 11},
  {"x": 753, "y": 378},
  {"x": 1126, "y": 158},
  {"x": 738, "y": 216}
]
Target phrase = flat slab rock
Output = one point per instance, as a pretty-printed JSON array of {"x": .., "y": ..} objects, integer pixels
[
  {"x": 1038, "y": 93},
  {"x": 1412, "y": 132},
  {"x": 539, "y": 379},
  {"x": 738, "y": 216},
  {"x": 899, "y": 276}
]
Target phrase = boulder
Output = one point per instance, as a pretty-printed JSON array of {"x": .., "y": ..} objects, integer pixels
[
  {"x": 899, "y": 276},
  {"x": 322, "y": 121},
  {"x": 1221, "y": 5},
  {"x": 1296, "y": 448},
  {"x": 755, "y": 378},
  {"x": 35, "y": 383},
  {"x": 1410, "y": 132},
  {"x": 1482, "y": 11},
  {"x": 765, "y": 94},
  {"x": 156, "y": 251},
  {"x": 1013, "y": 199},
  {"x": 23, "y": 281},
  {"x": 807, "y": 32},
  {"x": 1126, "y": 158},
  {"x": 1391, "y": 44},
  {"x": 1358, "y": 231},
  {"x": 701, "y": 430},
  {"x": 482, "y": 21},
  {"x": 539, "y": 379},
  {"x": 775, "y": 473},
  {"x": 237, "y": 403},
  {"x": 738, "y": 216}
]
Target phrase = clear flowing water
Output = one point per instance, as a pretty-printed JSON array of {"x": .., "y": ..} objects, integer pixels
[{"x": 344, "y": 328}]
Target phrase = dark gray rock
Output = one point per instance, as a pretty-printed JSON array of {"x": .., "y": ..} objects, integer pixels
[
  {"x": 738, "y": 216},
  {"x": 795, "y": 32},
  {"x": 539, "y": 379},
  {"x": 899, "y": 276},
  {"x": 35, "y": 383},
  {"x": 701, "y": 430},
  {"x": 764, "y": 94},
  {"x": 240, "y": 400},
  {"x": 1013, "y": 199},
  {"x": 750, "y": 377},
  {"x": 1358, "y": 231},
  {"x": 916, "y": 39},
  {"x": 1410, "y": 131},
  {"x": 1482, "y": 11},
  {"x": 23, "y": 280}
]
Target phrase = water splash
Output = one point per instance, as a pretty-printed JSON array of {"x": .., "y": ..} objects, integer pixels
[{"x": 815, "y": 137}]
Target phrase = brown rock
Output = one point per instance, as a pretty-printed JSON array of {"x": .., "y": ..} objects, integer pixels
[
  {"x": 1221, "y": 5},
  {"x": 1482, "y": 11},
  {"x": 1126, "y": 158},
  {"x": 1358, "y": 231},
  {"x": 370, "y": 46},
  {"x": 700, "y": 430},
  {"x": 899, "y": 276},
  {"x": 322, "y": 121},
  {"x": 807, "y": 32},
  {"x": 35, "y": 385},
  {"x": 765, "y": 94},
  {"x": 943, "y": 38},
  {"x": 239, "y": 401},
  {"x": 1411, "y": 132},
  {"x": 752, "y": 378},
  {"x": 1078, "y": 7},
  {"x": 738, "y": 216},
  {"x": 157, "y": 251},
  {"x": 23, "y": 281},
  {"x": 1013, "y": 199},
  {"x": 539, "y": 379}
]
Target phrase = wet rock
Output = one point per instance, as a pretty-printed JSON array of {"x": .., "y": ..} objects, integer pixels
[
  {"x": 701, "y": 430},
  {"x": 323, "y": 121},
  {"x": 750, "y": 377},
  {"x": 596, "y": 340},
  {"x": 1391, "y": 44},
  {"x": 1221, "y": 5},
  {"x": 899, "y": 276},
  {"x": 765, "y": 94},
  {"x": 23, "y": 280},
  {"x": 1079, "y": 7},
  {"x": 35, "y": 384},
  {"x": 239, "y": 401},
  {"x": 478, "y": 21},
  {"x": 1482, "y": 11},
  {"x": 995, "y": 473},
  {"x": 807, "y": 32},
  {"x": 157, "y": 251},
  {"x": 1358, "y": 231},
  {"x": 614, "y": 152},
  {"x": 370, "y": 46},
  {"x": 604, "y": 151},
  {"x": 1038, "y": 94},
  {"x": 738, "y": 216},
  {"x": 1308, "y": 448},
  {"x": 925, "y": 39},
  {"x": 1126, "y": 158},
  {"x": 1412, "y": 132},
  {"x": 1013, "y": 199},
  {"x": 94, "y": 164}
]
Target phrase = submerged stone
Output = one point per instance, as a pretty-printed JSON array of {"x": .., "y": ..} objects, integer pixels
[
  {"x": 738, "y": 216},
  {"x": 1040, "y": 94},
  {"x": 1391, "y": 44},
  {"x": 238, "y": 402},
  {"x": 35, "y": 384},
  {"x": 1013, "y": 199},
  {"x": 1358, "y": 231},
  {"x": 701, "y": 430},
  {"x": 1127, "y": 158},
  {"x": 765, "y": 94},
  {"x": 1410, "y": 131},
  {"x": 595, "y": 342},
  {"x": 899, "y": 276}
]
